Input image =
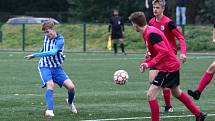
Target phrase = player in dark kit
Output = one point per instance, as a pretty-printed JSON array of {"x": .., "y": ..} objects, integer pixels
[
  {"x": 206, "y": 78},
  {"x": 163, "y": 59},
  {"x": 116, "y": 28},
  {"x": 171, "y": 32}
]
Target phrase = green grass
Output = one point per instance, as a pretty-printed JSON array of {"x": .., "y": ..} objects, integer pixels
[{"x": 97, "y": 97}]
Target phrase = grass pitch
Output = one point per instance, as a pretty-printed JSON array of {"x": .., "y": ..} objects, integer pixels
[{"x": 97, "y": 97}]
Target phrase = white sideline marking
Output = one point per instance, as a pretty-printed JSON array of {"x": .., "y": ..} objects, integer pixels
[
  {"x": 135, "y": 118},
  {"x": 102, "y": 59}
]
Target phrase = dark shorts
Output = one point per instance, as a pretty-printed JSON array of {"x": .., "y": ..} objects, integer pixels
[
  {"x": 153, "y": 68},
  {"x": 117, "y": 35},
  {"x": 167, "y": 79}
]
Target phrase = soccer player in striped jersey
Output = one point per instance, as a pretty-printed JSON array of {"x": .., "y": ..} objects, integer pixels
[
  {"x": 171, "y": 32},
  {"x": 206, "y": 78},
  {"x": 163, "y": 59},
  {"x": 50, "y": 70}
]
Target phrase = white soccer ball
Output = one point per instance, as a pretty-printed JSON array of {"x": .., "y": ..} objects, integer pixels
[{"x": 120, "y": 77}]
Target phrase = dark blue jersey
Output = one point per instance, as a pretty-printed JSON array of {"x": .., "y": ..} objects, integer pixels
[{"x": 116, "y": 27}]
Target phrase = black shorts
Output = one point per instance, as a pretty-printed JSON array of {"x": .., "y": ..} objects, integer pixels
[
  {"x": 117, "y": 35},
  {"x": 153, "y": 68},
  {"x": 167, "y": 79}
]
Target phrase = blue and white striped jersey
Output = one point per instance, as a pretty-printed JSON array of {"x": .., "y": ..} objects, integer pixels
[{"x": 54, "y": 60}]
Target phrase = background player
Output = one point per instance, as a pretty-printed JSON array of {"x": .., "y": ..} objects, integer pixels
[
  {"x": 50, "y": 69},
  {"x": 164, "y": 59},
  {"x": 116, "y": 28},
  {"x": 171, "y": 32},
  {"x": 206, "y": 78}
]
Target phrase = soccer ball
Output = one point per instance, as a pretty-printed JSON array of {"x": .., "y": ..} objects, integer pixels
[{"x": 120, "y": 77}]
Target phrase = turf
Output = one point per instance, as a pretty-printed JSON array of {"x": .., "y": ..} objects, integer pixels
[{"x": 97, "y": 97}]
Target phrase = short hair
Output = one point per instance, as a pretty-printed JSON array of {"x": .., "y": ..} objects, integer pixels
[
  {"x": 138, "y": 18},
  {"x": 160, "y": 2},
  {"x": 47, "y": 25}
]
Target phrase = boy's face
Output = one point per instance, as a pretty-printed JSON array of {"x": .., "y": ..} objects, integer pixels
[
  {"x": 49, "y": 32},
  {"x": 135, "y": 27},
  {"x": 115, "y": 13},
  {"x": 157, "y": 9}
]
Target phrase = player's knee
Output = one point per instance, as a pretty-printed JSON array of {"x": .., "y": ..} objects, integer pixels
[
  {"x": 71, "y": 88},
  {"x": 150, "y": 96},
  {"x": 211, "y": 68},
  {"x": 176, "y": 92},
  {"x": 50, "y": 85}
]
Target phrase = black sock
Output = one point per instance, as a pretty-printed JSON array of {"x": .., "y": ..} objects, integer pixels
[
  {"x": 115, "y": 48},
  {"x": 122, "y": 47}
]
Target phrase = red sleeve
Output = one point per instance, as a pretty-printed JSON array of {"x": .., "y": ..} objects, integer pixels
[
  {"x": 159, "y": 46},
  {"x": 179, "y": 36}
]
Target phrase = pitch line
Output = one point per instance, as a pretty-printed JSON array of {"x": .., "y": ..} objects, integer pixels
[
  {"x": 136, "y": 118},
  {"x": 103, "y": 59}
]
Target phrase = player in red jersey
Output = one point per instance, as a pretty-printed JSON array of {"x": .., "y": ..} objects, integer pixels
[
  {"x": 163, "y": 59},
  {"x": 206, "y": 78},
  {"x": 171, "y": 32}
]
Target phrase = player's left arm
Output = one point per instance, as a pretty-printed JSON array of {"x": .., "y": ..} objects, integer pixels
[
  {"x": 52, "y": 52},
  {"x": 172, "y": 27},
  {"x": 122, "y": 24}
]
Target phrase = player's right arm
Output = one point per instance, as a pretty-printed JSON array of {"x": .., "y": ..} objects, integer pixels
[
  {"x": 52, "y": 52},
  {"x": 110, "y": 25},
  {"x": 172, "y": 27}
]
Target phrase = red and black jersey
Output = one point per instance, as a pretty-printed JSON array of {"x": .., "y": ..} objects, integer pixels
[
  {"x": 171, "y": 31},
  {"x": 162, "y": 56}
]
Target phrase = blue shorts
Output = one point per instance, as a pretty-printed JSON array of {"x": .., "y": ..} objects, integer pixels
[{"x": 56, "y": 74}]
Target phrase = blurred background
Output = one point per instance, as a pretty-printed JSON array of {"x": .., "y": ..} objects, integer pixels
[{"x": 84, "y": 23}]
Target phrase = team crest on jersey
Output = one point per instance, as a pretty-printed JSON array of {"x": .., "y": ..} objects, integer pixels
[
  {"x": 162, "y": 28},
  {"x": 119, "y": 22}
]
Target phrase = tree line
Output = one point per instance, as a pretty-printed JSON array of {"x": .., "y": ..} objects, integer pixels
[{"x": 198, "y": 11}]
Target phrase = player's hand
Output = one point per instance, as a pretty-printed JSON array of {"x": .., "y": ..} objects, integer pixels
[
  {"x": 143, "y": 67},
  {"x": 147, "y": 55},
  {"x": 29, "y": 57},
  {"x": 183, "y": 58}
]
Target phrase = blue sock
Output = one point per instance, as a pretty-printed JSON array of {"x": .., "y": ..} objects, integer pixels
[
  {"x": 71, "y": 97},
  {"x": 49, "y": 99}
]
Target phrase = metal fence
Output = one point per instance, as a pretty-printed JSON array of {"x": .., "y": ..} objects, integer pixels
[{"x": 79, "y": 37}]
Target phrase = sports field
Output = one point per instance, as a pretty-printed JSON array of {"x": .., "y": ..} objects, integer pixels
[{"x": 97, "y": 97}]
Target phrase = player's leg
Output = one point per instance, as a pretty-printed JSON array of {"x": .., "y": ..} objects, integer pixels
[
  {"x": 183, "y": 14},
  {"x": 185, "y": 99},
  {"x": 121, "y": 41},
  {"x": 115, "y": 44},
  {"x": 62, "y": 79},
  {"x": 203, "y": 82},
  {"x": 153, "y": 102},
  {"x": 47, "y": 81},
  {"x": 178, "y": 16},
  {"x": 166, "y": 92},
  {"x": 167, "y": 100},
  {"x": 180, "y": 95},
  {"x": 49, "y": 99},
  {"x": 68, "y": 84}
]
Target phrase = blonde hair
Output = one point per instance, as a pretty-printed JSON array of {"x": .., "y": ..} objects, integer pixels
[
  {"x": 47, "y": 25},
  {"x": 138, "y": 18},
  {"x": 160, "y": 2}
]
